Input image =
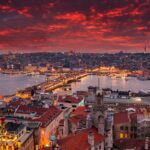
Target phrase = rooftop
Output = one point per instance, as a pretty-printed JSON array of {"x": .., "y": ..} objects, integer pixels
[
  {"x": 121, "y": 117},
  {"x": 25, "y": 109},
  {"x": 26, "y": 136},
  {"x": 79, "y": 141},
  {"x": 14, "y": 127},
  {"x": 78, "y": 118},
  {"x": 81, "y": 110},
  {"x": 45, "y": 115},
  {"x": 70, "y": 99}
]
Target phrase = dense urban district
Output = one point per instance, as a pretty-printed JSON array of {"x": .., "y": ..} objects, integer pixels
[
  {"x": 131, "y": 61},
  {"x": 38, "y": 118}
]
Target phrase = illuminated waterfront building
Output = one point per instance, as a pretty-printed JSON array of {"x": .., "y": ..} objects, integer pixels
[
  {"x": 23, "y": 94},
  {"x": 30, "y": 68},
  {"x": 15, "y": 136}
]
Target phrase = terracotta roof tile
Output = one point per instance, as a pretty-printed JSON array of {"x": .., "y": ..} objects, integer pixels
[
  {"x": 79, "y": 141},
  {"x": 121, "y": 117},
  {"x": 80, "y": 111},
  {"x": 76, "y": 119},
  {"x": 70, "y": 99},
  {"x": 24, "y": 109},
  {"x": 46, "y": 115},
  {"x": 49, "y": 116}
]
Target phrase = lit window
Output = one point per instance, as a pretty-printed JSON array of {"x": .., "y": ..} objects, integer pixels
[
  {"x": 121, "y": 135},
  {"x": 126, "y": 135}
]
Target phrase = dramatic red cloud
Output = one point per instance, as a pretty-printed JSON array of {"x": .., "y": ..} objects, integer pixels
[
  {"x": 76, "y": 17},
  {"x": 54, "y": 28},
  {"x": 25, "y": 12},
  {"x": 117, "y": 12},
  {"x": 81, "y": 25},
  {"x": 6, "y": 8},
  {"x": 140, "y": 28},
  {"x": 3, "y": 33},
  {"x": 136, "y": 12}
]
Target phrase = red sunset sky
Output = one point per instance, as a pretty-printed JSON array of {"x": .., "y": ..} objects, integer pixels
[{"x": 79, "y": 25}]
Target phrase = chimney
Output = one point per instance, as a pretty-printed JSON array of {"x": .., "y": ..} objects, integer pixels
[
  {"x": 146, "y": 143},
  {"x": 91, "y": 138}
]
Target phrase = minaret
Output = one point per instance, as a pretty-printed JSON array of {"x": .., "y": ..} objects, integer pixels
[
  {"x": 99, "y": 111},
  {"x": 98, "y": 83},
  {"x": 99, "y": 104},
  {"x": 99, "y": 99},
  {"x": 66, "y": 125}
]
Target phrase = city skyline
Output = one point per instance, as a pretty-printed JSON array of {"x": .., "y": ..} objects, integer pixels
[{"x": 81, "y": 25}]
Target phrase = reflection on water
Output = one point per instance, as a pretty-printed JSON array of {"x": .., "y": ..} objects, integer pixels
[
  {"x": 131, "y": 83},
  {"x": 9, "y": 84}
]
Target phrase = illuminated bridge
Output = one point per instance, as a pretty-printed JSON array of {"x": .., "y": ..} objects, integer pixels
[{"x": 62, "y": 80}]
